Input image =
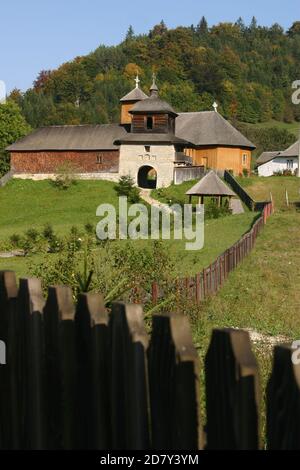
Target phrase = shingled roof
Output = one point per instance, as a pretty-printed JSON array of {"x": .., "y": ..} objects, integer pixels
[
  {"x": 267, "y": 157},
  {"x": 135, "y": 95},
  {"x": 209, "y": 128},
  {"x": 89, "y": 137},
  {"x": 151, "y": 138},
  {"x": 153, "y": 105},
  {"x": 292, "y": 151},
  {"x": 210, "y": 185}
]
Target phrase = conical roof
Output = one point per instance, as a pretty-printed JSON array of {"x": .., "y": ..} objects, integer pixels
[
  {"x": 135, "y": 95},
  {"x": 210, "y": 185},
  {"x": 153, "y": 104}
]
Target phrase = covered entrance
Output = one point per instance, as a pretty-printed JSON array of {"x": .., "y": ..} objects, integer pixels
[{"x": 147, "y": 177}]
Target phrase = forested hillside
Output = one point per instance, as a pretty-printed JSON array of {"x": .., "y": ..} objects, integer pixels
[{"x": 247, "y": 69}]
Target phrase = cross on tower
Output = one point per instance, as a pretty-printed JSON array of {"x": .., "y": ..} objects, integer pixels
[{"x": 137, "y": 81}]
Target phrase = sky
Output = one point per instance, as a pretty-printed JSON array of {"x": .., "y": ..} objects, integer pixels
[{"x": 40, "y": 35}]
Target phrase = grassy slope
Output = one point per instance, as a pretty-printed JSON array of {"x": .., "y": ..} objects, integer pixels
[
  {"x": 25, "y": 204},
  {"x": 292, "y": 127},
  {"x": 259, "y": 188}
]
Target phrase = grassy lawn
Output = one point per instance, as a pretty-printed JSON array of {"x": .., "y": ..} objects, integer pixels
[
  {"x": 174, "y": 193},
  {"x": 27, "y": 204},
  {"x": 262, "y": 294},
  {"x": 259, "y": 188},
  {"x": 292, "y": 127}
]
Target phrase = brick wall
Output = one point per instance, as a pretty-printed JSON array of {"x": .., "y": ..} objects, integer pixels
[{"x": 49, "y": 162}]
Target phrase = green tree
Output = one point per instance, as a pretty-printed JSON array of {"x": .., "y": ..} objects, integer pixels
[{"x": 12, "y": 127}]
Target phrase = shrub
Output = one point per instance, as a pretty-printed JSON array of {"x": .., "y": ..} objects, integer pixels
[
  {"x": 126, "y": 187},
  {"x": 245, "y": 172},
  {"x": 213, "y": 211},
  {"x": 16, "y": 240},
  {"x": 54, "y": 244},
  {"x": 66, "y": 176}
]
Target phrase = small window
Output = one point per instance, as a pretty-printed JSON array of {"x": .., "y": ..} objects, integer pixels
[
  {"x": 147, "y": 148},
  {"x": 290, "y": 164},
  {"x": 99, "y": 159},
  {"x": 245, "y": 158},
  {"x": 149, "y": 123}
]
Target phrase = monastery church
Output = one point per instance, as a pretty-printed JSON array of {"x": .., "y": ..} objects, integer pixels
[{"x": 152, "y": 143}]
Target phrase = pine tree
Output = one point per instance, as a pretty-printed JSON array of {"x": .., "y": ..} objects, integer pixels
[
  {"x": 202, "y": 27},
  {"x": 129, "y": 34}
]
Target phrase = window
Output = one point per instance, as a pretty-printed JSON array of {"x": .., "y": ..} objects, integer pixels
[
  {"x": 245, "y": 158},
  {"x": 147, "y": 148},
  {"x": 290, "y": 164},
  {"x": 99, "y": 159},
  {"x": 149, "y": 123}
]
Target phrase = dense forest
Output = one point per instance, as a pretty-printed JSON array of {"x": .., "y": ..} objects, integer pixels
[{"x": 247, "y": 69}]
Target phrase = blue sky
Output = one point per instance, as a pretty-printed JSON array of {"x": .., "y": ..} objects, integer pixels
[{"x": 42, "y": 34}]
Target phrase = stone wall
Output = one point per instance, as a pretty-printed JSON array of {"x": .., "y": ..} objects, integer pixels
[{"x": 160, "y": 157}]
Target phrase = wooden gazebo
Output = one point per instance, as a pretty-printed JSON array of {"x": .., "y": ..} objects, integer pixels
[{"x": 210, "y": 186}]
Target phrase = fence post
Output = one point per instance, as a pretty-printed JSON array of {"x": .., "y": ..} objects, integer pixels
[
  {"x": 231, "y": 391},
  {"x": 154, "y": 292},
  {"x": 174, "y": 385},
  {"x": 30, "y": 307},
  {"x": 92, "y": 357},
  {"x": 9, "y": 427},
  {"x": 61, "y": 369},
  {"x": 198, "y": 288},
  {"x": 129, "y": 384},
  {"x": 283, "y": 400}
]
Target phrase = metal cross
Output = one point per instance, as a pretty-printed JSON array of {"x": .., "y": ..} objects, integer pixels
[{"x": 137, "y": 81}]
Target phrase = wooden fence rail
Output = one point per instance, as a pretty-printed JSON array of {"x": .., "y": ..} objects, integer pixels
[
  {"x": 78, "y": 377},
  {"x": 209, "y": 281}
]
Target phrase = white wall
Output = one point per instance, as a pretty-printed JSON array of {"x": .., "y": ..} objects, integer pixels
[
  {"x": 277, "y": 164},
  {"x": 83, "y": 176},
  {"x": 160, "y": 157}
]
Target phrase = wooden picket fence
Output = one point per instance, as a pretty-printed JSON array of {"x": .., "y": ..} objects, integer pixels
[
  {"x": 211, "y": 279},
  {"x": 78, "y": 377}
]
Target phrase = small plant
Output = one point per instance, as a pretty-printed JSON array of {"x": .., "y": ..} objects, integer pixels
[
  {"x": 66, "y": 176},
  {"x": 54, "y": 244},
  {"x": 89, "y": 228},
  {"x": 245, "y": 172},
  {"x": 16, "y": 240},
  {"x": 126, "y": 187}
]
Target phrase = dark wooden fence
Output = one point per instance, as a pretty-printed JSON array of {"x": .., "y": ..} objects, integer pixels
[
  {"x": 79, "y": 378},
  {"x": 209, "y": 281},
  {"x": 257, "y": 206}
]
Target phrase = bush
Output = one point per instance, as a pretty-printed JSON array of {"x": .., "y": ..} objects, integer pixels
[
  {"x": 16, "y": 240},
  {"x": 245, "y": 172},
  {"x": 126, "y": 187},
  {"x": 54, "y": 244},
  {"x": 66, "y": 176},
  {"x": 213, "y": 211}
]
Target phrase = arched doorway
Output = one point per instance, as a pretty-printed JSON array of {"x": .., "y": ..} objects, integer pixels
[{"x": 147, "y": 177}]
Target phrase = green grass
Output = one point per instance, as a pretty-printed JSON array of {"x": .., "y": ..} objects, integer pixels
[
  {"x": 260, "y": 188},
  {"x": 292, "y": 127},
  {"x": 27, "y": 204},
  {"x": 262, "y": 294},
  {"x": 174, "y": 193}
]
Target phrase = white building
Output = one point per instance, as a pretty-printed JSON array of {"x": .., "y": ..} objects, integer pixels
[{"x": 270, "y": 163}]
